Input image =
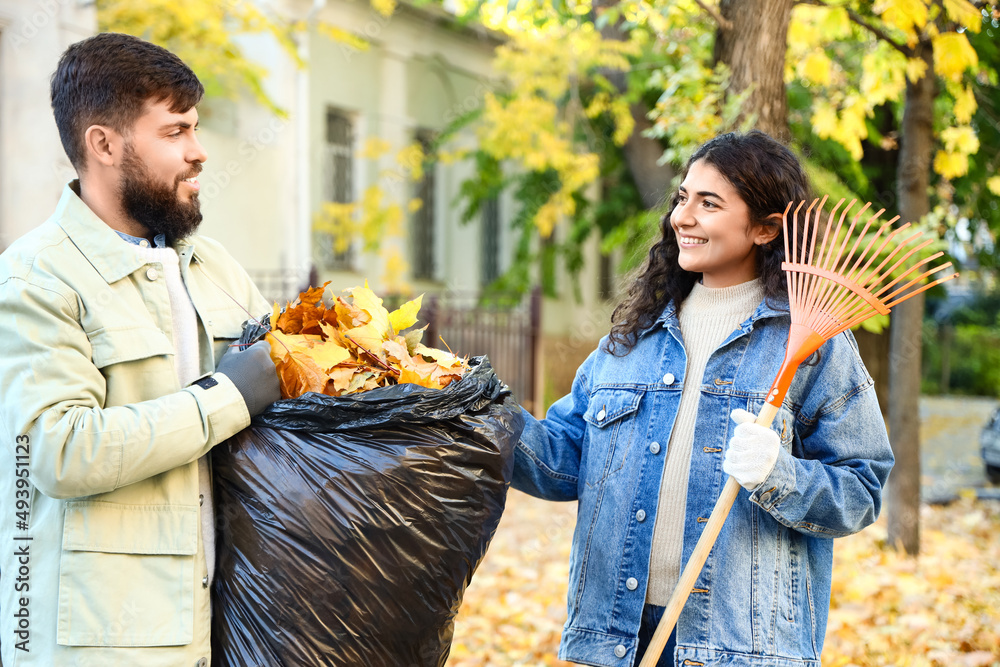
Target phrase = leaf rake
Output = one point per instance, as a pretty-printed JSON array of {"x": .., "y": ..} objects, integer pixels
[{"x": 830, "y": 289}]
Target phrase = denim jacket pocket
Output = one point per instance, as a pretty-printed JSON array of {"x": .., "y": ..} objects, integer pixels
[
  {"x": 783, "y": 424},
  {"x": 610, "y": 417}
]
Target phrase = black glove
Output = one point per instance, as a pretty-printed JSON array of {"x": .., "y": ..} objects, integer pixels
[{"x": 253, "y": 373}]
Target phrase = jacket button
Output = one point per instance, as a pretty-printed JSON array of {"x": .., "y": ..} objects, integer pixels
[
  {"x": 601, "y": 415},
  {"x": 640, "y": 515},
  {"x": 152, "y": 273},
  {"x": 203, "y": 662},
  {"x": 631, "y": 583},
  {"x": 668, "y": 378},
  {"x": 654, "y": 447},
  {"x": 620, "y": 650},
  {"x": 766, "y": 497},
  {"x": 201, "y": 498},
  {"x": 204, "y": 582}
]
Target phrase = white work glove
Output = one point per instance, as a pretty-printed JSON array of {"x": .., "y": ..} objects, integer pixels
[{"x": 753, "y": 451}]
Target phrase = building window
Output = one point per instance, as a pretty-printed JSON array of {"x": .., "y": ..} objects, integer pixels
[
  {"x": 422, "y": 229},
  {"x": 338, "y": 185},
  {"x": 489, "y": 269}
]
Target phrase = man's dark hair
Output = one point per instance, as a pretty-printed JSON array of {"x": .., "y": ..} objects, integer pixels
[{"x": 107, "y": 80}]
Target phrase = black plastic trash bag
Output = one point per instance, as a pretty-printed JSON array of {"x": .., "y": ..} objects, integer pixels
[{"x": 350, "y": 527}]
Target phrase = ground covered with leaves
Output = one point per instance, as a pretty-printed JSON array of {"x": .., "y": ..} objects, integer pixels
[{"x": 942, "y": 608}]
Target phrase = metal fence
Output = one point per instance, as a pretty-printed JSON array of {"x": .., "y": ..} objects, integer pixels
[{"x": 510, "y": 335}]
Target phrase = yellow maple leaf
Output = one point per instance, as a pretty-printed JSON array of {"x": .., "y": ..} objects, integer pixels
[
  {"x": 960, "y": 139},
  {"x": 366, "y": 300},
  {"x": 915, "y": 69},
  {"x": 909, "y": 16},
  {"x": 965, "y": 104},
  {"x": 951, "y": 164},
  {"x": 964, "y": 13},
  {"x": 405, "y": 316},
  {"x": 817, "y": 68},
  {"x": 327, "y": 354},
  {"x": 953, "y": 55}
]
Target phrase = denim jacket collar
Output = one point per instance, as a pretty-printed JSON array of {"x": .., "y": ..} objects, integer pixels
[{"x": 767, "y": 308}]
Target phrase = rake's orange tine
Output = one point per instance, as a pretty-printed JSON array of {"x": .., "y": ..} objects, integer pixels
[
  {"x": 919, "y": 246},
  {"x": 878, "y": 275},
  {"x": 847, "y": 239},
  {"x": 825, "y": 249},
  {"x": 908, "y": 271},
  {"x": 857, "y": 242},
  {"x": 860, "y": 276},
  {"x": 924, "y": 288}
]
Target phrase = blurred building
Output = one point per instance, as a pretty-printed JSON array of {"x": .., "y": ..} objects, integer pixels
[{"x": 33, "y": 167}]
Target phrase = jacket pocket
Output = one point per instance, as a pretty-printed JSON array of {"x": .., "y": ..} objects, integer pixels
[
  {"x": 114, "y": 346},
  {"x": 611, "y": 420},
  {"x": 126, "y": 575},
  {"x": 783, "y": 424}
]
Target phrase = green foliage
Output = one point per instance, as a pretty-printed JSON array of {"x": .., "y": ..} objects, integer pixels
[{"x": 968, "y": 335}]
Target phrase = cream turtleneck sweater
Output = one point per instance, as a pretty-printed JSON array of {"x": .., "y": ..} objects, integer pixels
[{"x": 707, "y": 318}]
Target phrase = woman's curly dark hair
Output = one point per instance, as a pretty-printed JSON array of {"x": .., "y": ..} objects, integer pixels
[{"x": 767, "y": 177}]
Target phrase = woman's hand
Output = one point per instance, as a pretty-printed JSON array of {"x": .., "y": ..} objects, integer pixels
[{"x": 752, "y": 452}]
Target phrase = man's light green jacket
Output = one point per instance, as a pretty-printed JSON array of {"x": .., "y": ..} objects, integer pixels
[{"x": 101, "y": 561}]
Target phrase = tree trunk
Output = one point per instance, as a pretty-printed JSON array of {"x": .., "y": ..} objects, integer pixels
[
  {"x": 753, "y": 41},
  {"x": 916, "y": 145},
  {"x": 874, "y": 350},
  {"x": 642, "y": 153}
]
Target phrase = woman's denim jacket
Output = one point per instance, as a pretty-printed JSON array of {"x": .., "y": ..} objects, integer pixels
[{"x": 763, "y": 595}]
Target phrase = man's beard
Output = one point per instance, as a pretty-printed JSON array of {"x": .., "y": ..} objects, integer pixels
[{"x": 155, "y": 205}]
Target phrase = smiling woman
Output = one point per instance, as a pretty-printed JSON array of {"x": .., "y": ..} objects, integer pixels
[{"x": 659, "y": 415}]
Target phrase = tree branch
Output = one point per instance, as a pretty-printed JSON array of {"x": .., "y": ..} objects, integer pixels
[
  {"x": 873, "y": 29},
  {"x": 724, "y": 23}
]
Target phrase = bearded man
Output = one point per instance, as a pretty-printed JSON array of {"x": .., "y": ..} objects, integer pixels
[{"x": 117, "y": 377}]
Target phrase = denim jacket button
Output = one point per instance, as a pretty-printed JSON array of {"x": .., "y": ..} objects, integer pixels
[
  {"x": 654, "y": 447},
  {"x": 601, "y": 415},
  {"x": 668, "y": 378},
  {"x": 631, "y": 583},
  {"x": 640, "y": 515},
  {"x": 620, "y": 651},
  {"x": 766, "y": 497}
]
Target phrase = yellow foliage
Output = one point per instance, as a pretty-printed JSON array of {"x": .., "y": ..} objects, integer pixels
[
  {"x": 411, "y": 159},
  {"x": 951, "y": 164},
  {"x": 915, "y": 69},
  {"x": 964, "y": 13},
  {"x": 993, "y": 184},
  {"x": 908, "y": 16},
  {"x": 953, "y": 55},
  {"x": 846, "y": 127},
  {"x": 965, "y": 103},
  {"x": 384, "y": 7},
  {"x": 883, "y": 75},
  {"x": 960, "y": 139},
  {"x": 374, "y": 148},
  {"x": 816, "y": 67}
]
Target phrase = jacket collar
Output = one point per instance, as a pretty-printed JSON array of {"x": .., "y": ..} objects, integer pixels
[
  {"x": 112, "y": 256},
  {"x": 769, "y": 307}
]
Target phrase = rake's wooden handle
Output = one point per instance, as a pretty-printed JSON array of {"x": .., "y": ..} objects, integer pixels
[{"x": 698, "y": 557}]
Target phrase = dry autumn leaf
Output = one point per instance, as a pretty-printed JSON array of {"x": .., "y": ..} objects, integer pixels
[{"x": 353, "y": 345}]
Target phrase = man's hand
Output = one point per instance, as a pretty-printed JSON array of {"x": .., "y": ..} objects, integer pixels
[
  {"x": 753, "y": 451},
  {"x": 253, "y": 373}
]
